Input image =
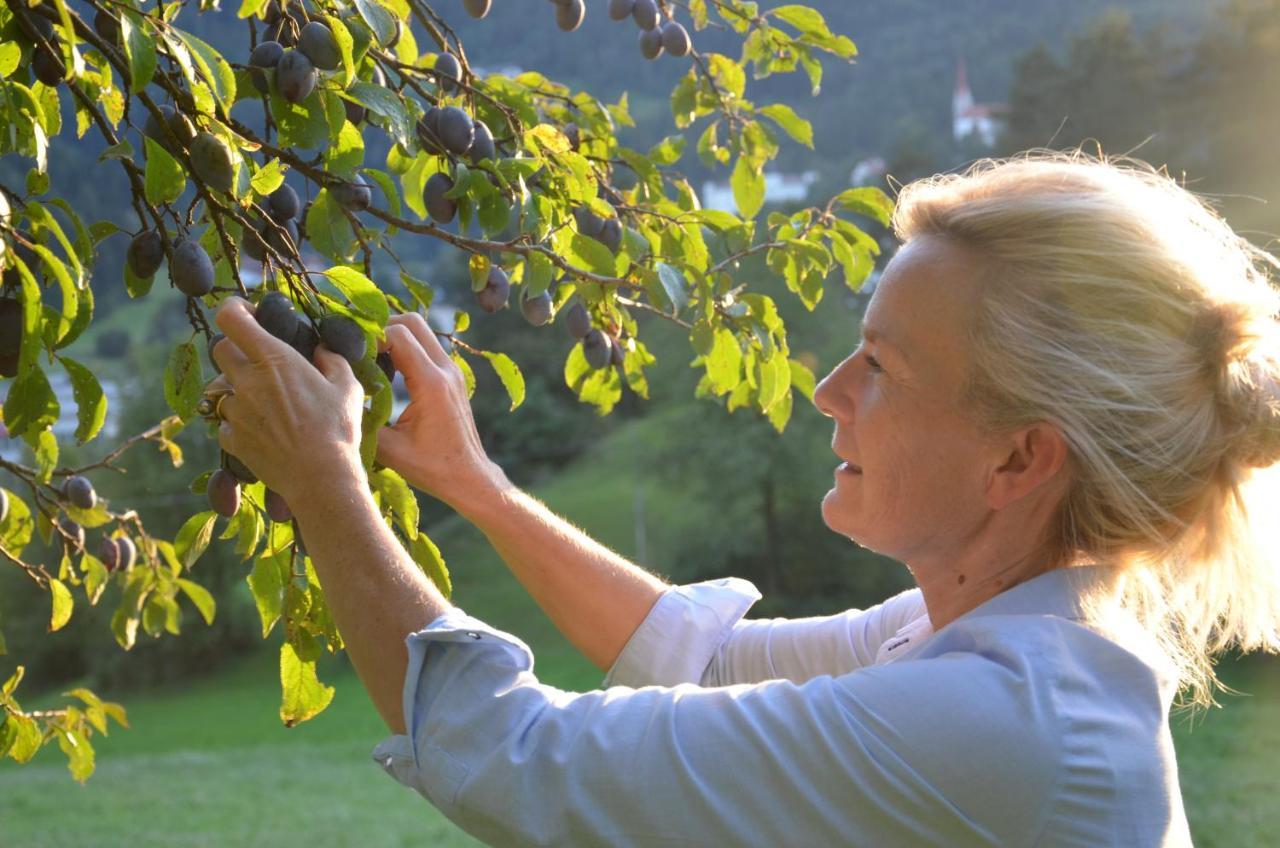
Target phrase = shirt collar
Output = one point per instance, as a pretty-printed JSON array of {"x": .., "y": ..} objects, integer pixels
[{"x": 1057, "y": 592}]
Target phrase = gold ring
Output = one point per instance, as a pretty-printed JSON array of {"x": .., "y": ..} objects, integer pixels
[{"x": 210, "y": 406}]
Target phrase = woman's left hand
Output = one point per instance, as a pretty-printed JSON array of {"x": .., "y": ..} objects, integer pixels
[{"x": 296, "y": 426}]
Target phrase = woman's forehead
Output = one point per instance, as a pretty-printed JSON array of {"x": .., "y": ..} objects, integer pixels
[{"x": 923, "y": 301}]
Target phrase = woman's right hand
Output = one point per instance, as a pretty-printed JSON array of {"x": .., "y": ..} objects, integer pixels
[{"x": 433, "y": 445}]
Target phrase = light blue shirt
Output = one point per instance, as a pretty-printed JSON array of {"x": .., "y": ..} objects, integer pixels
[{"x": 1013, "y": 725}]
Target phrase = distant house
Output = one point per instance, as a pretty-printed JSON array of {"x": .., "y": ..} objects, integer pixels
[
  {"x": 969, "y": 118},
  {"x": 868, "y": 172},
  {"x": 779, "y": 188}
]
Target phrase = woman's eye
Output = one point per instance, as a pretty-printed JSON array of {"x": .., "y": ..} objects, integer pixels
[{"x": 872, "y": 362}]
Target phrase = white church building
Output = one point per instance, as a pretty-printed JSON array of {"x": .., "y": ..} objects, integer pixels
[{"x": 969, "y": 118}]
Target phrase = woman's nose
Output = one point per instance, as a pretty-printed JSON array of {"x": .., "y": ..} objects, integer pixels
[{"x": 827, "y": 395}]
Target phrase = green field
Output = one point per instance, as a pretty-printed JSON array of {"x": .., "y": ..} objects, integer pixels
[{"x": 208, "y": 763}]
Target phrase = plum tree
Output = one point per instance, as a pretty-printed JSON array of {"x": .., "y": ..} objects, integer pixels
[
  {"x": 577, "y": 321},
  {"x": 440, "y": 207},
  {"x": 275, "y": 314},
  {"x": 211, "y": 160},
  {"x": 295, "y": 76},
  {"x": 264, "y": 57},
  {"x": 277, "y": 509},
  {"x": 482, "y": 146},
  {"x": 10, "y": 335},
  {"x": 538, "y": 182},
  {"x": 645, "y": 14},
  {"x": 448, "y": 72},
  {"x": 497, "y": 288},
  {"x": 344, "y": 337},
  {"x": 476, "y": 8},
  {"x": 317, "y": 43},
  {"x": 305, "y": 338},
  {"x": 457, "y": 131},
  {"x": 283, "y": 204},
  {"x": 651, "y": 43},
  {"x": 234, "y": 466},
  {"x": 570, "y": 14},
  {"x": 596, "y": 348},
  {"x": 191, "y": 269},
  {"x": 146, "y": 253},
  {"x": 80, "y": 492},
  {"x": 675, "y": 39},
  {"x": 611, "y": 234},
  {"x": 537, "y": 310},
  {"x": 224, "y": 493},
  {"x": 354, "y": 194}
]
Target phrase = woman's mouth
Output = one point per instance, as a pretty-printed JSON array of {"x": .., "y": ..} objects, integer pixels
[{"x": 848, "y": 468}]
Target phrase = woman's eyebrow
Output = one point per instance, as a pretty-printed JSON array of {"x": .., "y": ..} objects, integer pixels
[{"x": 876, "y": 337}]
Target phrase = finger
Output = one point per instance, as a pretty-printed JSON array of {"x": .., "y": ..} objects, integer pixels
[
  {"x": 235, "y": 318},
  {"x": 227, "y": 356},
  {"x": 410, "y": 358},
  {"x": 218, "y": 385},
  {"x": 417, "y": 325},
  {"x": 335, "y": 368},
  {"x": 392, "y": 445}
]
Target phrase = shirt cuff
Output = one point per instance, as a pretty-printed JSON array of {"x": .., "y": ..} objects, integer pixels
[
  {"x": 681, "y": 634},
  {"x": 397, "y": 754}
]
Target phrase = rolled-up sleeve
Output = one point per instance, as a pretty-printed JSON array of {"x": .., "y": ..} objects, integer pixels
[
  {"x": 682, "y": 632},
  {"x": 518, "y": 763},
  {"x": 697, "y": 634}
]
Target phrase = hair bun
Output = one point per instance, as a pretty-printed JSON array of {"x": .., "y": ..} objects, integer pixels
[{"x": 1253, "y": 396}]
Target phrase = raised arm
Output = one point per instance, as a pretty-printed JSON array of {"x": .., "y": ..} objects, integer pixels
[{"x": 595, "y": 597}]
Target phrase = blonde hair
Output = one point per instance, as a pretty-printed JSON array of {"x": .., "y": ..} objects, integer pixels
[{"x": 1123, "y": 309}]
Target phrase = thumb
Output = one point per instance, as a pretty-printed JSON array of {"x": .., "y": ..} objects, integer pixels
[
  {"x": 393, "y": 445},
  {"x": 335, "y": 368}
]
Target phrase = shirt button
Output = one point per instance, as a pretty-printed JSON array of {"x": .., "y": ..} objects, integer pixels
[{"x": 473, "y": 634}]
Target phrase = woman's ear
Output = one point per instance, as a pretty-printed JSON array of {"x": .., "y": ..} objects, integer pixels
[{"x": 1031, "y": 458}]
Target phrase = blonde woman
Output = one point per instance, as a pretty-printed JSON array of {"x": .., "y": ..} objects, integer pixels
[{"x": 1058, "y": 419}]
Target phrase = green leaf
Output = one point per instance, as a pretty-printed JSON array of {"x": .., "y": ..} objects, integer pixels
[
  {"x": 803, "y": 18},
  {"x": 140, "y": 48},
  {"x": 269, "y": 178},
  {"x": 748, "y": 186},
  {"x": 427, "y": 556},
  {"x": 366, "y": 297},
  {"x": 62, "y": 604},
  {"x": 79, "y": 753},
  {"x": 385, "y": 103},
  {"x": 266, "y": 583},
  {"x": 395, "y": 493},
  {"x": 194, "y": 537},
  {"x": 31, "y": 404},
  {"x": 379, "y": 19},
  {"x": 509, "y": 374},
  {"x": 724, "y": 362},
  {"x": 328, "y": 229},
  {"x": 213, "y": 68},
  {"x": 673, "y": 283},
  {"x": 10, "y": 55},
  {"x": 303, "y": 695},
  {"x": 794, "y": 126},
  {"x": 165, "y": 179},
  {"x": 869, "y": 201},
  {"x": 346, "y": 154},
  {"x": 302, "y": 124},
  {"x": 183, "y": 381},
  {"x": 91, "y": 403},
  {"x": 23, "y": 735},
  {"x": 200, "y": 598},
  {"x": 17, "y": 525},
  {"x": 802, "y": 378}
]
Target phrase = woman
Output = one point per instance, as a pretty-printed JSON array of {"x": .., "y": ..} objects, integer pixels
[{"x": 1056, "y": 419}]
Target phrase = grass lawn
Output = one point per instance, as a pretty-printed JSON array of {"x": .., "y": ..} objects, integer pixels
[{"x": 209, "y": 764}]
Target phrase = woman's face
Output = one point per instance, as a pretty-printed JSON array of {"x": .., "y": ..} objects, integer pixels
[{"x": 914, "y": 472}]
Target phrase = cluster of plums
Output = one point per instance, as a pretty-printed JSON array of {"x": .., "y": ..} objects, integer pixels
[
  {"x": 117, "y": 552},
  {"x": 190, "y": 267},
  {"x": 279, "y": 230},
  {"x": 599, "y": 348},
  {"x": 276, "y": 314},
  {"x": 450, "y": 131},
  {"x": 655, "y": 37},
  {"x": 37, "y": 32}
]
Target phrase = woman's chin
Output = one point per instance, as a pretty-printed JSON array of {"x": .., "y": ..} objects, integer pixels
[{"x": 832, "y": 513}]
